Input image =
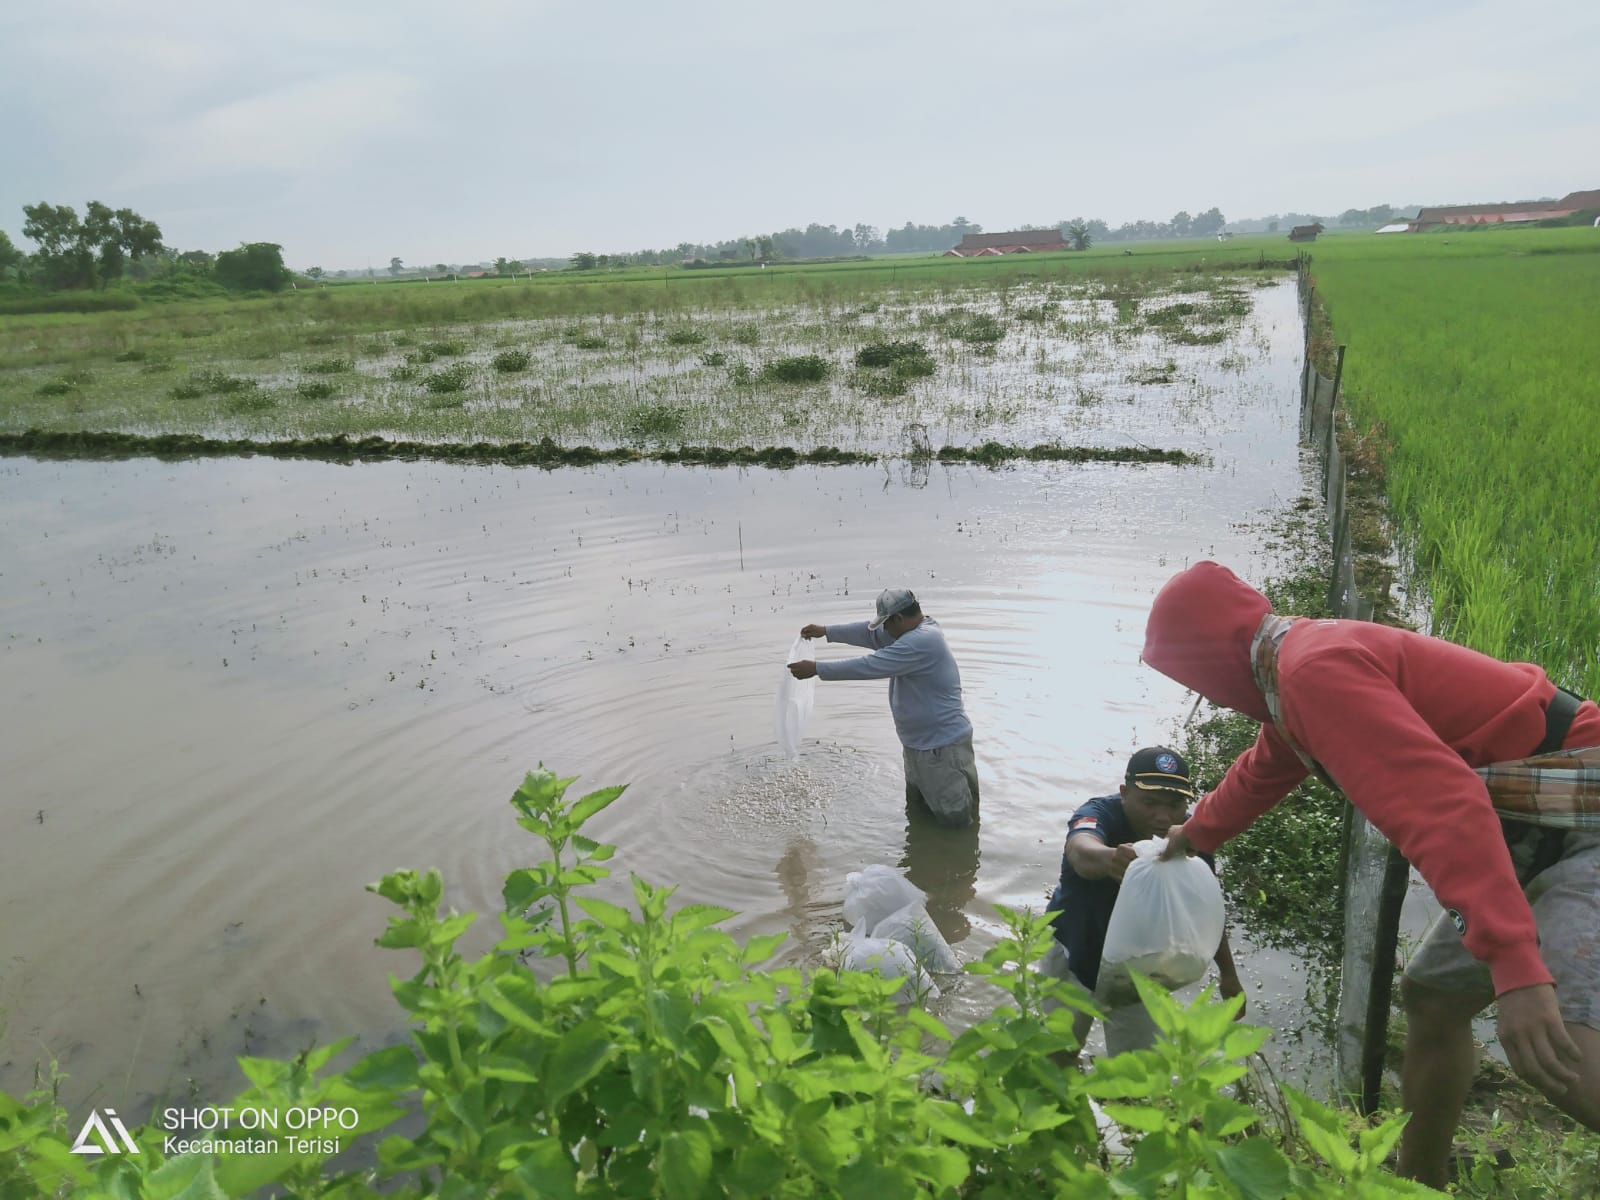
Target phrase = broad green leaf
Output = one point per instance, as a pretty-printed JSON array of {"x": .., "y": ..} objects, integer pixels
[
  {"x": 1224, "y": 1118},
  {"x": 265, "y": 1073},
  {"x": 578, "y": 1058},
  {"x": 698, "y": 916},
  {"x": 928, "y": 1023},
  {"x": 403, "y": 933},
  {"x": 951, "y": 1121},
  {"x": 1154, "y": 1159},
  {"x": 243, "y": 1174},
  {"x": 757, "y": 1171},
  {"x": 1244, "y": 1040},
  {"x": 517, "y": 1002},
  {"x": 943, "y": 1166},
  {"x": 686, "y": 1163},
  {"x": 451, "y": 928},
  {"x": 1256, "y": 1167},
  {"x": 188, "y": 1177},
  {"x": 762, "y": 947},
  {"x": 500, "y": 1066},
  {"x": 875, "y": 1181},
  {"x": 1332, "y": 1147},
  {"x": 595, "y": 851},
  {"x": 594, "y": 802},
  {"x": 672, "y": 1013},
  {"x": 1140, "y": 1117},
  {"x": 1124, "y": 1077},
  {"x": 612, "y": 916},
  {"x": 1376, "y": 1143},
  {"x": 391, "y": 1067},
  {"x": 550, "y": 1171}
]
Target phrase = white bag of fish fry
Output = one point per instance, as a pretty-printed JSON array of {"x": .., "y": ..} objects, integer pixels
[
  {"x": 795, "y": 698},
  {"x": 1166, "y": 925}
]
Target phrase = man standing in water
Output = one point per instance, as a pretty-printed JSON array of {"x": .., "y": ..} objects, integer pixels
[
  {"x": 909, "y": 650},
  {"x": 1438, "y": 746}
]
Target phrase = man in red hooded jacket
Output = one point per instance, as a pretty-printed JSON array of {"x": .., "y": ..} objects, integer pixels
[{"x": 1399, "y": 721}]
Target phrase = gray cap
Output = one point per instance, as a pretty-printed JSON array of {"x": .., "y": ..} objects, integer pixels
[{"x": 891, "y": 603}]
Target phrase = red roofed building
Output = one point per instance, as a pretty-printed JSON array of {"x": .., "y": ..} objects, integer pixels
[
  {"x": 1506, "y": 214},
  {"x": 1016, "y": 241}
]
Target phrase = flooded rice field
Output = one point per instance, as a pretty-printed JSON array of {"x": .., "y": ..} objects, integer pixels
[
  {"x": 1081, "y": 364},
  {"x": 235, "y": 691}
]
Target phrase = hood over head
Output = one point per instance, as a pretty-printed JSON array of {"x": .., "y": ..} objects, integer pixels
[{"x": 1199, "y": 633}]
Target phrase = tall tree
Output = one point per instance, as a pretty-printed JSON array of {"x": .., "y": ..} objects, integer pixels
[
  {"x": 10, "y": 257},
  {"x": 396, "y": 266},
  {"x": 95, "y": 250},
  {"x": 1078, "y": 231},
  {"x": 1209, "y": 222},
  {"x": 253, "y": 267}
]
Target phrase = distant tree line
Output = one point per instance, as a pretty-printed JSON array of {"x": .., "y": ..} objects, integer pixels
[
  {"x": 835, "y": 241},
  {"x": 106, "y": 246}
]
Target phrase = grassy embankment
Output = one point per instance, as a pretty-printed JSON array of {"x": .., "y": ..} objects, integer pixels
[
  {"x": 1471, "y": 381},
  {"x": 1477, "y": 371},
  {"x": 781, "y": 358}
]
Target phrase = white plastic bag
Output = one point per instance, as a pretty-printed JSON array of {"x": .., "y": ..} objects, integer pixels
[
  {"x": 913, "y": 928},
  {"x": 1167, "y": 924},
  {"x": 874, "y": 892},
  {"x": 891, "y": 960},
  {"x": 795, "y": 698}
]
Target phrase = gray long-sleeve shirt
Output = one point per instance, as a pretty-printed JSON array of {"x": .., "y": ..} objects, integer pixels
[{"x": 924, "y": 684}]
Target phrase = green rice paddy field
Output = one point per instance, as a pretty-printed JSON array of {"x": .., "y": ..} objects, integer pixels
[
  {"x": 1478, "y": 365},
  {"x": 1472, "y": 356}
]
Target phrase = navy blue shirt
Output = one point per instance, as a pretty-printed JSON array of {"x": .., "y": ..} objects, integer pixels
[{"x": 1085, "y": 904}]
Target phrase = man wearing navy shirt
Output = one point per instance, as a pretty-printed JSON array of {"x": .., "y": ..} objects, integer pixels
[{"x": 1155, "y": 795}]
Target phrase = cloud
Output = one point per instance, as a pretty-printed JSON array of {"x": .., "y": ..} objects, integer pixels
[{"x": 307, "y": 126}]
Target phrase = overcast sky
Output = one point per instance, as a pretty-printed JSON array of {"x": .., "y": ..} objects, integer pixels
[{"x": 459, "y": 130}]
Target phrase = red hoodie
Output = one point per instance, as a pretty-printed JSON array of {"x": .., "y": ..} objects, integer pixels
[{"x": 1398, "y": 719}]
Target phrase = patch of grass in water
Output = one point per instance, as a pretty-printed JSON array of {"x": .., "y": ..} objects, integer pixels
[
  {"x": 796, "y": 368},
  {"x": 509, "y": 362},
  {"x": 685, "y": 335},
  {"x": 653, "y": 422},
  {"x": 451, "y": 379},
  {"x": 130, "y": 356},
  {"x": 314, "y": 389},
  {"x": 330, "y": 366},
  {"x": 1154, "y": 373},
  {"x": 253, "y": 401},
  {"x": 885, "y": 354},
  {"x": 747, "y": 333},
  {"x": 985, "y": 329},
  {"x": 69, "y": 381}
]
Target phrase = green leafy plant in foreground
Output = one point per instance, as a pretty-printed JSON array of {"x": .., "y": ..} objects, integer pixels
[{"x": 599, "y": 1050}]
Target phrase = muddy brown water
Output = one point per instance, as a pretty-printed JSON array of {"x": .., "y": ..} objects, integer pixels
[{"x": 234, "y": 691}]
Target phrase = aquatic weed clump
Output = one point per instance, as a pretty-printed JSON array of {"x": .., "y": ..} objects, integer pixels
[
  {"x": 653, "y": 422},
  {"x": 796, "y": 368},
  {"x": 451, "y": 379},
  {"x": 509, "y": 362},
  {"x": 886, "y": 354}
]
